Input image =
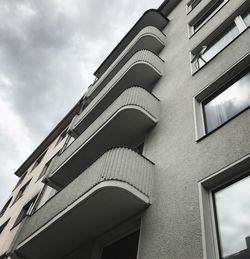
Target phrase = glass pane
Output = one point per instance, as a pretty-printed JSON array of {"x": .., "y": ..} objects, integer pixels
[
  {"x": 228, "y": 104},
  {"x": 246, "y": 18},
  {"x": 219, "y": 44},
  {"x": 233, "y": 219}
]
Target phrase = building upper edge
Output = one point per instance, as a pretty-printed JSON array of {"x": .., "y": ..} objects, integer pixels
[{"x": 126, "y": 39}]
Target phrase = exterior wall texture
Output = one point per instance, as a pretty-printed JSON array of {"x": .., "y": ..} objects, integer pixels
[{"x": 172, "y": 225}]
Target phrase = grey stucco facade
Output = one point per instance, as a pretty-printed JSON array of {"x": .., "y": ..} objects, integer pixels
[{"x": 177, "y": 158}]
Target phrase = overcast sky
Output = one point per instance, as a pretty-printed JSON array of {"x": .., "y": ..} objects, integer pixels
[{"x": 49, "y": 51}]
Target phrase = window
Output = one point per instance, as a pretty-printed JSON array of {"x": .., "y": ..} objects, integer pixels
[
  {"x": 2, "y": 227},
  {"x": 47, "y": 193},
  {"x": 227, "y": 102},
  {"x": 39, "y": 160},
  {"x": 5, "y": 207},
  {"x": 21, "y": 192},
  {"x": 20, "y": 179},
  {"x": 192, "y": 4},
  {"x": 26, "y": 210},
  {"x": 209, "y": 50},
  {"x": 225, "y": 211},
  {"x": 62, "y": 136},
  {"x": 44, "y": 169},
  {"x": 232, "y": 213},
  {"x": 123, "y": 249}
]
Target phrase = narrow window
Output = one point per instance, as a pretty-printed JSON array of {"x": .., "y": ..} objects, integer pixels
[
  {"x": 232, "y": 209},
  {"x": 228, "y": 102},
  {"x": 21, "y": 192},
  {"x": 26, "y": 210},
  {"x": 47, "y": 193},
  {"x": 2, "y": 227},
  {"x": 62, "y": 136},
  {"x": 20, "y": 179},
  {"x": 39, "y": 160},
  {"x": 192, "y": 4},
  {"x": 45, "y": 168},
  {"x": 123, "y": 249},
  {"x": 5, "y": 207}
]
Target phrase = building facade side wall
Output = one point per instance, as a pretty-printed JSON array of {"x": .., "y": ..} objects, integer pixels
[{"x": 171, "y": 227}]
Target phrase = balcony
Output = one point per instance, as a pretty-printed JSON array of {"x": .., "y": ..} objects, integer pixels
[
  {"x": 125, "y": 123},
  {"x": 149, "y": 38},
  {"x": 83, "y": 211},
  {"x": 144, "y": 69},
  {"x": 151, "y": 17}
]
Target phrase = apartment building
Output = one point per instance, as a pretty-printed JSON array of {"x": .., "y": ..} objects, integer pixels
[{"x": 153, "y": 162}]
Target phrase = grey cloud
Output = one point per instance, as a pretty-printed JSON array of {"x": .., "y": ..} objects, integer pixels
[{"x": 49, "y": 50}]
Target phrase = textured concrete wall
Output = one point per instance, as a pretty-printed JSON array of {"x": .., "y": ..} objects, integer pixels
[{"x": 171, "y": 226}]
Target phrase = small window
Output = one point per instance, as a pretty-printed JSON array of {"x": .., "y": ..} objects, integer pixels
[
  {"x": 39, "y": 160},
  {"x": 62, "y": 136},
  {"x": 46, "y": 194},
  {"x": 203, "y": 54},
  {"x": 21, "y": 192},
  {"x": 2, "y": 227},
  {"x": 192, "y": 4},
  {"x": 26, "y": 210},
  {"x": 228, "y": 102},
  {"x": 123, "y": 249},
  {"x": 5, "y": 207},
  {"x": 45, "y": 168},
  {"x": 20, "y": 179}
]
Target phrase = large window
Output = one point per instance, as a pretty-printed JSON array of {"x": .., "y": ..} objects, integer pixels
[
  {"x": 225, "y": 211},
  {"x": 211, "y": 48},
  {"x": 228, "y": 102},
  {"x": 232, "y": 212}
]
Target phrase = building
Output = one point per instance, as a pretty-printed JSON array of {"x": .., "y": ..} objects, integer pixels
[{"x": 153, "y": 162}]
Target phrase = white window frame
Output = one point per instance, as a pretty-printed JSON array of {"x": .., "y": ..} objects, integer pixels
[
  {"x": 203, "y": 12},
  {"x": 229, "y": 174},
  {"x": 211, "y": 88},
  {"x": 196, "y": 52}
]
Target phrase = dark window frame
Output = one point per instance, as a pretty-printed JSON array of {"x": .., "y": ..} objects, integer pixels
[
  {"x": 21, "y": 192},
  {"x": 2, "y": 227},
  {"x": 6, "y": 206}
]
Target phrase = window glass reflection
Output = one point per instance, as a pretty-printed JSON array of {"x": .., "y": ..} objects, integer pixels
[
  {"x": 228, "y": 103},
  {"x": 48, "y": 193},
  {"x": 246, "y": 18},
  {"x": 233, "y": 213},
  {"x": 218, "y": 45}
]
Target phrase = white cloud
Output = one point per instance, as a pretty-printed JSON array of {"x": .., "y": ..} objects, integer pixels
[{"x": 48, "y": 53}]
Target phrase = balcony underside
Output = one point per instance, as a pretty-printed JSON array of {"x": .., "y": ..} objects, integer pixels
[
  {"x": 124, "y": 123},
  {"x": 83, "y": 210},
  {"x": 144, "y": 69},
  {"x": 149, "y": 38}
]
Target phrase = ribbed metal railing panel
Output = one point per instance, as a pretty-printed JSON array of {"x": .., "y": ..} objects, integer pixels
[
  {"x": 148, "y": 31},
  {"x": 141, "y": 57},
  {"x": 119, "y": 164},
  {"x": 132, "y": 97}
]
